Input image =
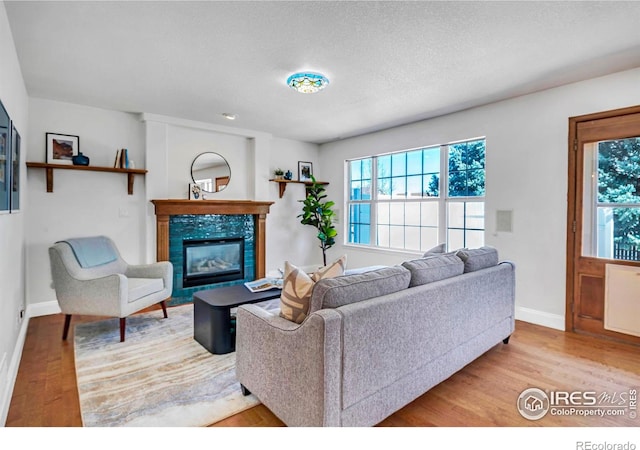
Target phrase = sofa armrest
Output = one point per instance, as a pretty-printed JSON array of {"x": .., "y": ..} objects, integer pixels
[{"x": 294, "y": 369}]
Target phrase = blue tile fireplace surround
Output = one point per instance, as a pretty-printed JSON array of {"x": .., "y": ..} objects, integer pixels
[{"x": 231, "y": 223}]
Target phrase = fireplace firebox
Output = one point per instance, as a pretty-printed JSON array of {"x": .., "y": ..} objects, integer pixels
[{"x": 209, "y": 261}]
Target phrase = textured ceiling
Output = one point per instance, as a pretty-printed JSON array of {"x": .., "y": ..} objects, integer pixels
[{"x": 389, "y": 63}]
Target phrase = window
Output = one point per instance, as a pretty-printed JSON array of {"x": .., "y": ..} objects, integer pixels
[
  {"x": 401, "y": 201},
  {"x": 611, "y": 224}
]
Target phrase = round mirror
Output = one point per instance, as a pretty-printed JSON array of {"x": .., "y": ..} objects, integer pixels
[{"x": 210, "y": 171}]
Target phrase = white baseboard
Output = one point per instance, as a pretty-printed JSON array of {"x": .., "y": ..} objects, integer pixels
[
  {"x": 542, "y": 318},
  {"x": 12, "y": 374},
  {"x": 43, "y": 309}
]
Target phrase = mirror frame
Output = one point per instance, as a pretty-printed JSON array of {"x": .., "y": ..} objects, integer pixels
[{"x": 217, "y": 180}]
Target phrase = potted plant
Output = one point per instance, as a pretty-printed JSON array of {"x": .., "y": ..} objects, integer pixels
[
  {"x": 318, "y": 213},
  {"x": 279, "y": 174}
]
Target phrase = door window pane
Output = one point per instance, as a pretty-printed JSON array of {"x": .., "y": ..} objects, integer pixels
[{"x": 611, "y": 202}]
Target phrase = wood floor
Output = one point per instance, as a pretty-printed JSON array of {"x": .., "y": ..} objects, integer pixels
[{"x": 483, "y": 394}]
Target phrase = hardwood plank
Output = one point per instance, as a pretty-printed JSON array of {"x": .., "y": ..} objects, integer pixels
[{"x": 483, "y": 394}]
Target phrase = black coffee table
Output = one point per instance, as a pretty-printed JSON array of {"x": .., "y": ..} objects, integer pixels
[{"x": 212, "y": 326}]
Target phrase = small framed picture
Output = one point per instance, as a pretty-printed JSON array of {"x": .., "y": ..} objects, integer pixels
[
  {"x": 305, "y": 171},
  {"x": 61, "y": 148},
  {"x": 195, "y": 191}
]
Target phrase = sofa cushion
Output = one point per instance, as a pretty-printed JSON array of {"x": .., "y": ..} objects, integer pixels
[
  {"x": 478, "y": 258},
  {"x": 297, "y": 287},
  {"x": 433, "y": 268},
  {"x": 335, "y": 292}
]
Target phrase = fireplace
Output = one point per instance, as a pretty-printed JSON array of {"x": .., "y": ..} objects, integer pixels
[
  {"x": 179, "y": 220},
  {"x": 210, "y": 261}
]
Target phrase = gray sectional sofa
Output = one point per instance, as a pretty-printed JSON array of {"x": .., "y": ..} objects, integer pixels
[{"x": 375, "y": 341}]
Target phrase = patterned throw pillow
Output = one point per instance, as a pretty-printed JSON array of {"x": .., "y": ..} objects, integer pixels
[
  {"x": 335, "y": 269},
  {"x": 297, "y": 287}
]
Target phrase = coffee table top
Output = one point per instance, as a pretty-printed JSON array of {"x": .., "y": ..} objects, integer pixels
[{"x": 230, "y": 296}]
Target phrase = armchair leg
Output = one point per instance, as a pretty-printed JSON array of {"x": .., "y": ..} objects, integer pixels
[
  {"x": 67, "y": 322},
  {"x": 164, "y": 308},
  {"x": 506, "y": 340},
  {"x": 123, "y": 324},
  {"x": 244, "y": 390}
]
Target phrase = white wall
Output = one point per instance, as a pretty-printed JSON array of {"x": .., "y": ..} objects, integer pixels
[
  {"x": 12, "y": 254},
  {"x": 82, "y": 203},
  {"x": 173, "y": 143},
  {"x": 287, "y": 238},
  {"x": 186, "y": 143},
  {"x": 527, "y": 153}
]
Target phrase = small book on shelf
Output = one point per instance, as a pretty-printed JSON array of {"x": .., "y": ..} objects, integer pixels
[{"x": 122, "y": 159}]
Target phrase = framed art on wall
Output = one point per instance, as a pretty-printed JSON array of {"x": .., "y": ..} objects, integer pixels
[
  {"x": 5, "y": 159},
  {"x": 195, "y": 192},
  {"x": 61, "y": 148},
  {"x": 15, "y": 171},
  {"x": 305, "y": 171}
]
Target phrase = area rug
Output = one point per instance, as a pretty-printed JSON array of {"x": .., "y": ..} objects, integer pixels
[{"x": 160, "y": 375}]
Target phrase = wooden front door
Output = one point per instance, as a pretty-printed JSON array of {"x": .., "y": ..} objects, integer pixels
[{"x": 603, "y": 226}]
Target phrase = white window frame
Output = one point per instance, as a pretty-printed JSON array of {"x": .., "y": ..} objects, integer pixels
[{"x": 443, "y": 199}]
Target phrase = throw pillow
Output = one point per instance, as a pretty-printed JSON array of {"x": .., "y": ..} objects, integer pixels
[
  {"x": 478, "y": 258},
  {"x": 297, "y": 287},
  {"x": 296, "y": 293},
  {"x": 335, "y": 269},
  {"x": 433, "y": 268},
  {"x": 440, "y": 248}
]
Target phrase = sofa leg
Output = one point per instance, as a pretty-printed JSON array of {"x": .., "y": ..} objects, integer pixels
[
  {"x": 65, "y": 330},
  {"x": 123, "y": 324},
  {"x": 164, "y": 308},
  {"x": 506, "y": 340},
  {"x": 245, "y": 391}
]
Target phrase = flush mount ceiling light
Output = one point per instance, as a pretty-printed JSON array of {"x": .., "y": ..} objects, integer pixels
[
  {"x": 307, "y": 82},
  {"x": 229, "y": 116}
]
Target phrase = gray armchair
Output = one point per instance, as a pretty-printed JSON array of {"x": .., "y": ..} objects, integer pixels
[{"x": 90, "y": 277}]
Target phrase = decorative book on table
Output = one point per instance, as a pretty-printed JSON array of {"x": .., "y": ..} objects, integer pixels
[{"x": 264, "y": 284}]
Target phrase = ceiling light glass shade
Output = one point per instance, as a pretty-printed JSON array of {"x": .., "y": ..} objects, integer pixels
[{"x": 307, "y": 82}]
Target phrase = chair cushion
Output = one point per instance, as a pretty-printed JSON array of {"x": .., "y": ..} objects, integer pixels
[
  {"x": 433, "y": 268},
  {"x": 141, "y": 287},
  {"x": 339, "y": 291},
  {"x": 478, "y": 258}
]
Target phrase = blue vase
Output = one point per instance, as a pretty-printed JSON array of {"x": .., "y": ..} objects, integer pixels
[
  {"x": 288, "y": 175},
  {"x": 80, "y": 160}
]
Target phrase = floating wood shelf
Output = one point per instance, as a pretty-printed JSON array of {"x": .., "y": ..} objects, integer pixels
[
  {"x": 282, "y": 184},
  {"x": 49, "y": 170}
]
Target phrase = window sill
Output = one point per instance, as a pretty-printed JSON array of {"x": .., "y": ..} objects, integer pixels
[{"x": 389, "y": 251}]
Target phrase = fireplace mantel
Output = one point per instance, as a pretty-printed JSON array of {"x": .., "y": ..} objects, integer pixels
[{"x": 175, "y": 207}]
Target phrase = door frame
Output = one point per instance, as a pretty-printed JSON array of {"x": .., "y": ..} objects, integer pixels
[{"x": 573, "y": 233}]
